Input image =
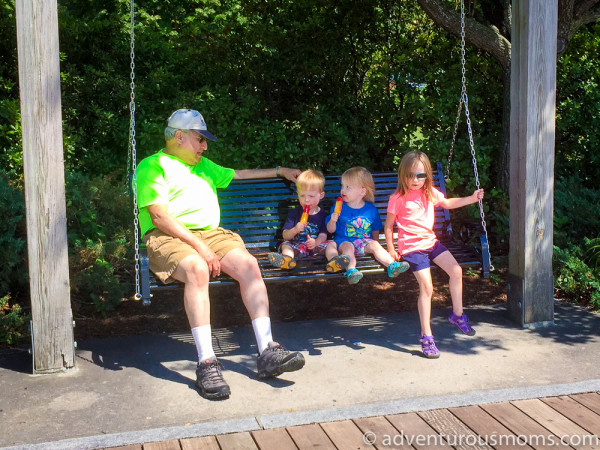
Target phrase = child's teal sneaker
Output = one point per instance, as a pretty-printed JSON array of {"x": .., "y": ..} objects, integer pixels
[
  {"x": 396, "y": 268},
  {"x": 353, "y": 275}
]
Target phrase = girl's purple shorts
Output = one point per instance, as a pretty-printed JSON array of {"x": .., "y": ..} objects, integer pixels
[{"x": 422, "y": 259}]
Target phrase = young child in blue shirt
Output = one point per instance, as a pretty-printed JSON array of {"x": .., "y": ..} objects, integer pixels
[
  {"x": 301, "y": 239},
  {"x": 356, "y": 228}
]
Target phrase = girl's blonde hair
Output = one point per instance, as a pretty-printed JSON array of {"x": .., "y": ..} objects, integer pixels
[
  {"x": 407, "y": 167},
  {"x": 310, "y": 179},
  {"x": 363, "y": 178}
]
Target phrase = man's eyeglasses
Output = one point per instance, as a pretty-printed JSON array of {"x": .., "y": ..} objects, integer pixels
[
  {"x": 196, "y": 136},
  {"x": 418, "y": 175}
]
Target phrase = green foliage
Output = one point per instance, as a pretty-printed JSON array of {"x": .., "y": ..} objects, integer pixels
[
  {"x": 574, "y": 278},
  {"x": 576, "y": 211},
  {"x": 311, "y": 83},
  {"x": 13, "y": 322},
  {"x": 12, "y": 244},
  {"x": 592, "y": 254},
  {"x": 578, "y": 108},
  {"x": 100, "y": 241}
]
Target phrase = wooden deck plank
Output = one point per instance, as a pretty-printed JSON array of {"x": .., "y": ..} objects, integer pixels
[
  {"x": 550, "y": 418},
  {"x": 521, "y": 424},
  {"x": 127, "y": 447},
  {"x": 236, "y": 441},
  {"x": 496, "y": 434},
  {"x": 383, "y": 431},
  {"x": 275, "y": 439},
  {"x": 345, "y": 435},
  {"x": 590, "y": 400},
  {"x": 416, "y": 431},
  {"x": 310, "y": 436},
  {"x": 459, "y": 435},
  {"x": 164, "y": 445},
  {"x": 576, "y": 412},
  {"x": 200, "y": 443}
]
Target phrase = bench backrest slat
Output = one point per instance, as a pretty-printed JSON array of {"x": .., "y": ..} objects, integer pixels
[{"x": 257, "y": 209}]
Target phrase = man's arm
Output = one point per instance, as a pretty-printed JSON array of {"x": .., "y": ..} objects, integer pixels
[
  {"x": 165, "y": 222},
  {"x": 285, "y": 172}
]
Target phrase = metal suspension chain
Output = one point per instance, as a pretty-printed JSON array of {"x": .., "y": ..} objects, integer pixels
[
  {"x": 464, "y": 99},
  {"x": 451, "y": 151},
  {"x": 132, "y": 148}
]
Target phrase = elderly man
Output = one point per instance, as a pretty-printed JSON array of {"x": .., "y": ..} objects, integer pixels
[{"x": 179, "y": 221}]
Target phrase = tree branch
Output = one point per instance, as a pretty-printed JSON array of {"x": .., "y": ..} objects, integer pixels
[
  {"x": 582, "y": 6},
  {"x": 481, "y": 36},
  {"x": 589, "y": 16}
]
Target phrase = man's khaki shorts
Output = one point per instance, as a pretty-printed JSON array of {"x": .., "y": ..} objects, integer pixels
[{"x": 166, "y": 252}]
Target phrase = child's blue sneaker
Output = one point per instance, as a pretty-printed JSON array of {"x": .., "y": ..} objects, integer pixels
[
  {"x": 353, "y": 275},
  {"x": 396, "y": 268}
]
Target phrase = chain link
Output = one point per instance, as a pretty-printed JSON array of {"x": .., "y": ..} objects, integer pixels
[
  {"x": 454, "y": 134},
  {"x": 132, "y": 152},
  {"x": 464, "y": 99}
]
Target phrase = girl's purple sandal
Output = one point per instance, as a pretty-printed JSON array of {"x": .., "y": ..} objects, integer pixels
[
  {"x": 462, "y": 323},
  {"x": 428, "y": 347}
]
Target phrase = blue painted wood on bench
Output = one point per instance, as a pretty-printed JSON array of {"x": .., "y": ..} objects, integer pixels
[{"x": 256, "y": 209}]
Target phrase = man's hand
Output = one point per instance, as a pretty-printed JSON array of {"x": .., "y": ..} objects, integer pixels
[
  {"x": 212, "y": 260},
  {"x": 290, "y": 174}
]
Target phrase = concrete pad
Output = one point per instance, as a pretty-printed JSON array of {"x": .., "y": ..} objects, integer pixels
[{"x": 127, "y": 389}]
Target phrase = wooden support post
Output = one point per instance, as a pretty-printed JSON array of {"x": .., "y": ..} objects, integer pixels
[
  {"x": 39, "y": 82},
  {"x": 533, "y": 99}
]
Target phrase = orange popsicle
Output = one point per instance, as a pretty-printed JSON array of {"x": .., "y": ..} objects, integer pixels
[
  {"x": 338, "y": 205},
  {"x": 304, "y": 217}
]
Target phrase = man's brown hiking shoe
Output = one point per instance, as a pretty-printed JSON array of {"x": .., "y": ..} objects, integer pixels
[
  {"x": 275, "y": 359},
  {"x": 210, "y": 381}
]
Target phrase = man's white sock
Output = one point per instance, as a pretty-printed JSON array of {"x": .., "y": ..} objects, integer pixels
[
  {"x": 262, "y": 331},
  {"x": 203, "y": 339}
]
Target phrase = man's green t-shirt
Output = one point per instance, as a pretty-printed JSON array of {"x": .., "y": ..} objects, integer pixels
[{"x": 190, "y": 192}]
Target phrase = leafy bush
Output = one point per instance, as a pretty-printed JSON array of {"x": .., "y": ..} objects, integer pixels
[
  {"x": 592, "y": 254},
  {"x": 574, "y": 278},
  {"x": 13, "y": 322},
  {"x": 12, "y": 244},
  {"x": 576, "y": 209},
  {"x": 100, "y": 220}
]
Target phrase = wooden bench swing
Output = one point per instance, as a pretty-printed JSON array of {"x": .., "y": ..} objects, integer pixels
[{"x": 257, "y": 209}]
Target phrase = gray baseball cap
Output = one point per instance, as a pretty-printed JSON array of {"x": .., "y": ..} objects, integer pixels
[{"x": 190, "y": 119}]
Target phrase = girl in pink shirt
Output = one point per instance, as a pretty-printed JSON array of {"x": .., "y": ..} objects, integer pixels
[{"x": 411, "y": 209}]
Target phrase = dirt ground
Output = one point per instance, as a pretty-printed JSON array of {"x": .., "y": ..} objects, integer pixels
[{"x": 290, "y": 301}]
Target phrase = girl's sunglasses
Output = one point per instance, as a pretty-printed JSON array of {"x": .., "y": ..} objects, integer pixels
[{"x": 418, "y": 175}]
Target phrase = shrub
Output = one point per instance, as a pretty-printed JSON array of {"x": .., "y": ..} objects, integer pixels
[
  {"x": 574, "y": 278},
  {"x": 12, "y": 245},
  {"x": 100, "y": 220},
  {"x": 575, "y": 212},
  {"x": 13, "y": 322}
]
